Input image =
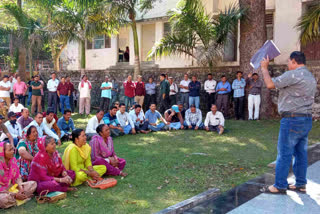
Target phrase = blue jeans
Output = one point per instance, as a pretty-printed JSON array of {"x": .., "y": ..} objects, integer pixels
[
  {"x": 157, "y": 128},
  {"x": 64, "y": 100},
  {"x": 292, "y": 141},
  {"x": 184, "y": 98},
  {"x": 193, "y": 126},
  {"x": 194, "y": 100},
  {"x": 127, "y": 129},
  {"x": 128, "y": 101},
  {"x": 176, "y": 125},
  {"x": 29, "y": 97}
]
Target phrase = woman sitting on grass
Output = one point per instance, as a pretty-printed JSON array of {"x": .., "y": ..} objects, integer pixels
[
  {"x": 26, "y": 150},
  {"x": 76, "y": 157},
  {"x": 103, "y": 152},
  {"x": 12, "y": 190},
  {"x": 48, "y": 171}
]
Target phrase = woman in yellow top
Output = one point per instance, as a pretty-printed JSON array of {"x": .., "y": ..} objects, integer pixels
[{"x": 77, "y": 157}]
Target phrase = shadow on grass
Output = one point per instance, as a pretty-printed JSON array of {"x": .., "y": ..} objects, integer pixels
[{"x": 168, "y": 167}]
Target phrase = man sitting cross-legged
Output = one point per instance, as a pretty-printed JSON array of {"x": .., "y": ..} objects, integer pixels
[
  {"x": 93, "y": 123},
  {"x": 152, "y": 116},
  {"x": 51, "y": 122},
  {"x": 193, "y": 119},
  {"x": 125, "y": 120},
  {"x": 214, "y": 120},
  {"x": 175, "y": 118},
  {"x": 25, "y": 119},
  {"x": 137, "y": 117},
  {"x": 41, "y": 128},
  {"x": 111, "y": 120},
  {"x": 13, "y": 127},
  {"x": 66, "y": 125}
]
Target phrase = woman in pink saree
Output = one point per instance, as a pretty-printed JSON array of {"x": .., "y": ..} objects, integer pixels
[
  {"x": 48, "y": 171},
  {"x": 102, "y": 152},
  {"x": 12, "y": 190}
]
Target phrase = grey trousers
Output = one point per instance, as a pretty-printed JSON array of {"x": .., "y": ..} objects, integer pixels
[
  {"x": 52, "y": 101},
  {"x": 184, "y": 98}
]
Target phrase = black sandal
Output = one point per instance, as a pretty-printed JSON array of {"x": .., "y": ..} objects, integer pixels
[
  {"x": 301, "y": 189},
  {"x": 267, "y": 190}
]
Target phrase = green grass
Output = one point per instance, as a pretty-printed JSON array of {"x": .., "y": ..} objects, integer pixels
[{"x": 163, "y": 171}]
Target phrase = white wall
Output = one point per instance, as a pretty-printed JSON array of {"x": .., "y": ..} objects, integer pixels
[
  {"x": 71, "y": 56},
  {"x": 148, "y": 38},
  {"x": 173, "y": 61},
  {"x": 286, "y": 36},
  {"x": 97, "y": 59}
]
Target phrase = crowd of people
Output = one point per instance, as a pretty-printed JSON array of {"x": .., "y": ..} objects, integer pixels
[{"x": 29, "y": 161}]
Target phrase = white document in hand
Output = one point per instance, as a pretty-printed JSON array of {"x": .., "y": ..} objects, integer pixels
[{"x": 268, "y": 49}]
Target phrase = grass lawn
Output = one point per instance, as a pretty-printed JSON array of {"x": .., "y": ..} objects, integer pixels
[{"x": 164, "y": 170}]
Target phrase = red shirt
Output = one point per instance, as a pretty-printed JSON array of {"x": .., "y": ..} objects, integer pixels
[
  {"x": 129, "y": 88},
  {"x": 71, "y": 86},
  {"x": 140, "y": 89},
  {"x": 63, "y": 88}
]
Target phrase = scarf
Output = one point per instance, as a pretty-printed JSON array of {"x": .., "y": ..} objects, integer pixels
[
  {"x": 8, "y": 173},
  {"x": 84, "y": 152},
  {"x": 89, "y": 83},
  {"x": 53, "y": 164},
  {"x": 100, "y": 148}
]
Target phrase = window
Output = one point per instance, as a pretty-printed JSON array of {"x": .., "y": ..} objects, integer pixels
[
  {"x": 166, "y": 29},
  {"x": 269, "y": 26},
  {"x": 99, "y": 42},
  {"x": 230, "y": 48}
]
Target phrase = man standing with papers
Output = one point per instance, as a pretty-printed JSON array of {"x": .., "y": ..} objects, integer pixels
[{"x": 297, "y": 88}]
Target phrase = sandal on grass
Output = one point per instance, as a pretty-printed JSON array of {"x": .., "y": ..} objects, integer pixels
[
  {"x": 267, "y": 190},
  {"x": 301, "y": 189}
]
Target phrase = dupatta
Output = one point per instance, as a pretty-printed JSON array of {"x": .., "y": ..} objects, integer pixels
[
  {"x": 84, "y": 152},
  {"x": 53, "y": 164},
  {"x": 8, "y": 173},
  {"x": 100, "y": 148}
]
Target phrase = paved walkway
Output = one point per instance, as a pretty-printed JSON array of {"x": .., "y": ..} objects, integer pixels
[{"x": 291, "y": 203}]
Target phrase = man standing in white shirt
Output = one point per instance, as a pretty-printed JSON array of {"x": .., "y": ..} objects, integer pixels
[
  {"x": 93, "y": 123},
  {"x": 5, "y": 87},
  {"x": 85, "y": 95},
  {"x": 52, "y": 92},
  {"x": 173, "y": 92},
  {"x": 184, "y": 91},
  {"x": 214, "y": 120},
  {"x": 210, "y": 88}
]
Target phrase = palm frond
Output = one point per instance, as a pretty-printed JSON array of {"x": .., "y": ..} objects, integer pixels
[
  {"x": 309, "y": 25},
  {"x": 170, "y": 45}
]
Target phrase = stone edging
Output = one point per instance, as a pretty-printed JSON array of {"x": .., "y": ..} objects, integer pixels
[{"x": 191, "y": 202}]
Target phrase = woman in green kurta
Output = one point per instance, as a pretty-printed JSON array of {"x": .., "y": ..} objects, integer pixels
[{"x": 77, "y": 157}]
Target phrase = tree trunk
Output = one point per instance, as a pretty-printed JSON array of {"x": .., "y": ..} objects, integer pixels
[
  {"x": 137, "y": 70},
  {"x": 30, "y": 59},
  {"x": 83, "y": 54},
  {"x": 22, "y": 62},
  {"x": 253, "y": 35},
  {"x": 56, "y": 60},
  {"x": 11, "y": 50}
]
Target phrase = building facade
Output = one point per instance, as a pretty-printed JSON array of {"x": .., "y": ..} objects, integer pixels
[{"x": 104, "y": 52}]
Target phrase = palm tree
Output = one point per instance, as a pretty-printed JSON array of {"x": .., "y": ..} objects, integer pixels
[
  {"x": 69, "y": 21},
  {"x": 309, "y": 25},
  {"x": 26, "y": 34},
  {"x": 122, "y": 11},
  {"x": 198, "y": 34},
  {"x": 126, "y": 12}
]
